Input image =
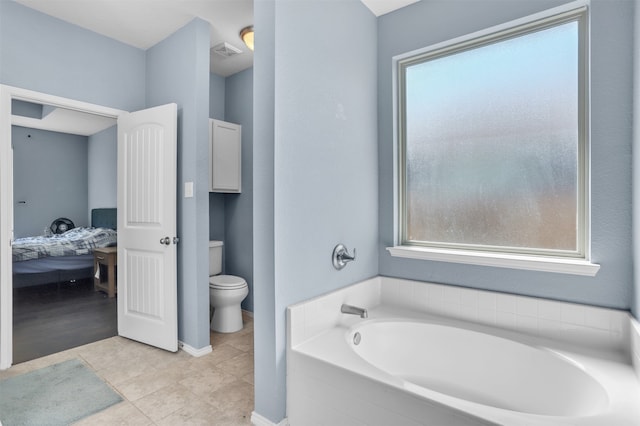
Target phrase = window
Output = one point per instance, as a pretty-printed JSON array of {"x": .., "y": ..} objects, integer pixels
[{"x": 493, "y": 141}]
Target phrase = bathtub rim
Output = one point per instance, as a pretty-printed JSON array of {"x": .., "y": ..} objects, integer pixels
[{"x": 609, "y": 368}]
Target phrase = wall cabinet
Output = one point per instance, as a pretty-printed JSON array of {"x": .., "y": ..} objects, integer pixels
[{"x": 225, "y": 156}]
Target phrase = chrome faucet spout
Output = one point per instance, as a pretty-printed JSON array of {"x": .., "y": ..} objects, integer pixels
[{"x": 353, "y": 310}]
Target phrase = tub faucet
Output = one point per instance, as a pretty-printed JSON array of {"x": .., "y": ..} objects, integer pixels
[{"x": 353, "y": 310}]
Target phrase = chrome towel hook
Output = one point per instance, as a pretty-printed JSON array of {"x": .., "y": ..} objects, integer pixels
[{"x": 341, "y": 256}]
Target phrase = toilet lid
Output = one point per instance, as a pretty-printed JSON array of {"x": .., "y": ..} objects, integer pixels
[{"x": 229, "y": 282}]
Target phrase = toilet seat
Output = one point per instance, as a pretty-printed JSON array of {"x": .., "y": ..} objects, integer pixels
[{"x": 226, "y": 282}]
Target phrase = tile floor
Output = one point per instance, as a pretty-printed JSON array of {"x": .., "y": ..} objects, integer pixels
[{"x": 164, "y": 388}]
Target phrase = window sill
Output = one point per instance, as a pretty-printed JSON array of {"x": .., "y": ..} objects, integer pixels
[{"x": 530, "y": 263}]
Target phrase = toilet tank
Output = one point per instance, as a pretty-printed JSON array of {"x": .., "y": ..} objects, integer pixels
[{"x": 215, "y": 257}]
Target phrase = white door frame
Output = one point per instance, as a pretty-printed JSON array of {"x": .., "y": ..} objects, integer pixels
[{"x": 7, "y": 94}]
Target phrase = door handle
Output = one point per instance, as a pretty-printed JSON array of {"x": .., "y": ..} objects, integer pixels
[
  {"x": 166, "y": 241},
  {"x": 176, "y": 240}
]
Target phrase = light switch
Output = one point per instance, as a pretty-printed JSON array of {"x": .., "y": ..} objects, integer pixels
[{"x": 188, "y": 189}]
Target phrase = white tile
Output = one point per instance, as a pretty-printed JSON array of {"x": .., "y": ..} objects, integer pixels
[
  {"x": 619, "y": 321},
  {"x": 550, "y": 310},
  {"x": 452, "y": 295},
  {"x": 371, "y": 292},
  {"x": 506, "y": 303},
  {"x": 469, "y": 313},
  {"x": 296, "y": 325},
  {"x": 329, "y": 309},
  {"x": 506, "y": 319},
  {"x": 420, "y": 296},
  {"x": 405, "y": 292},
  {"x": 527, "y": 324},
  {"x": 435, "y": 298},
  {"x": 573, "y": 314},
  {"x": 391, "y": 292},
  {"x": 527, "y": 306},
  {"x": 436, "y": 292},
  {"x": 453, "y": 310},
  {"x": 487, "y": 316},
  {"x": 597, "y": 318},
  {"x": 314, "y": 322},
  {"x": 469, "y": 298},
  {"x": 487, "y": 300}
]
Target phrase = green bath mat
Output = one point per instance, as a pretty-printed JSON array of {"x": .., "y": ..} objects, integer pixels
[{"x": 56, "y": 395}]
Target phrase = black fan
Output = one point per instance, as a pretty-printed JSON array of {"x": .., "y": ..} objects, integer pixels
[{"x": 61, "y": 225}]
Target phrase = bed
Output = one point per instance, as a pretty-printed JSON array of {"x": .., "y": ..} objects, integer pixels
[{"x": 64, "y": 257}]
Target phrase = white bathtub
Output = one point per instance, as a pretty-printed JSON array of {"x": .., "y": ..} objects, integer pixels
[
  {"x": 479, "y": 367},
  {"x": 415, "y": 368}
]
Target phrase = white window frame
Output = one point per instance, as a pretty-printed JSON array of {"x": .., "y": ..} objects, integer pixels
[{"x": 579, "y": 262}]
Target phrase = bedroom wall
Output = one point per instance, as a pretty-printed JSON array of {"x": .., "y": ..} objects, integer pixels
[
  {"x": 425, "y": 23},
  {"x": 50, "y": 179},
  {"x": 103, "y": 169},
  {"x": 45, "y": 54}
]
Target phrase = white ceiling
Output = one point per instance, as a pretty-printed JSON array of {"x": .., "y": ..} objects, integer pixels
[{"x": 143, "y": 23}]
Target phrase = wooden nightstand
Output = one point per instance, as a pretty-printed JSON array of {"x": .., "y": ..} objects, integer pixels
[{"x": 108, "y": 257}]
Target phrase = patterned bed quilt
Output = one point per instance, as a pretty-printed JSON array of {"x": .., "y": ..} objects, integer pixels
[{"x": 74, "y": 242}]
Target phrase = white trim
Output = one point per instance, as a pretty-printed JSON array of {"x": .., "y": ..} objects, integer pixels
[
  {"x": 500, "y": 260},
  {"x": 7, "y": 93},
  {"x": 533, "y": 259},
  {"x": 6, "y": 231},
  {"x": 193, "y": 351},
  {"x": 258, "y": 420},
  {"x": 545, "y": 14}
]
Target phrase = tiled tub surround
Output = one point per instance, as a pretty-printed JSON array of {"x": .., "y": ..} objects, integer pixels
[{"x": 328, "y": 383}]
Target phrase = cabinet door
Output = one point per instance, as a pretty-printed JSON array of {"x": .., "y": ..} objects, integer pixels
[{"x": 225, "y": 157}]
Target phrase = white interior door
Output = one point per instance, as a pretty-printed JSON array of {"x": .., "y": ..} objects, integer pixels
[{"x": 147, "y": 278}]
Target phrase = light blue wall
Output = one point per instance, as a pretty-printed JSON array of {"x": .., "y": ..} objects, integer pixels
[
  {"x": 217, "y": 94},
  {"x": 216, "y": 200},
  {"x": 26, "y": 109},
  {"x": 103, "y": 169},
  {"x": 319, "y": 153},
  {"x": 635, "y": 301},
  {"x": 269, "y": 367},
  {"x": 178, "y": 71},
  {"x": 231, "y": 215},
  {"x": 425, "y": 23},
  {"x": 239, "y": 207},
  {"x": 50, "y": 176},
  {"x": 48, "y": 55}
]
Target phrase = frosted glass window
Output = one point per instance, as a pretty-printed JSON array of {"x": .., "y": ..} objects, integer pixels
[{"x": 493, "y": 146}]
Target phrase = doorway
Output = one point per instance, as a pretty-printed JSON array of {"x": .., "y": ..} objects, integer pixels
[{"x": 9, "y": 94}]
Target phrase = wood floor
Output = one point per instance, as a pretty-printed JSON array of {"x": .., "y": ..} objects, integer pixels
[{"x": 49, "y": 318}]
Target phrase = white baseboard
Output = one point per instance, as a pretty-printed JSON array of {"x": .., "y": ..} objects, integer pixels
[
  {"x": 193, "y": 351},
  {"x": 258, "y": 420}
]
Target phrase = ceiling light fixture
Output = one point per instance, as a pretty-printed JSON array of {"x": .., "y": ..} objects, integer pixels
[{"x": 246, "y": 34}]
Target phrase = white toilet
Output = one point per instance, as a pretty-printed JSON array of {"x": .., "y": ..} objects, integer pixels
[{"x": 226, "y": 292}]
